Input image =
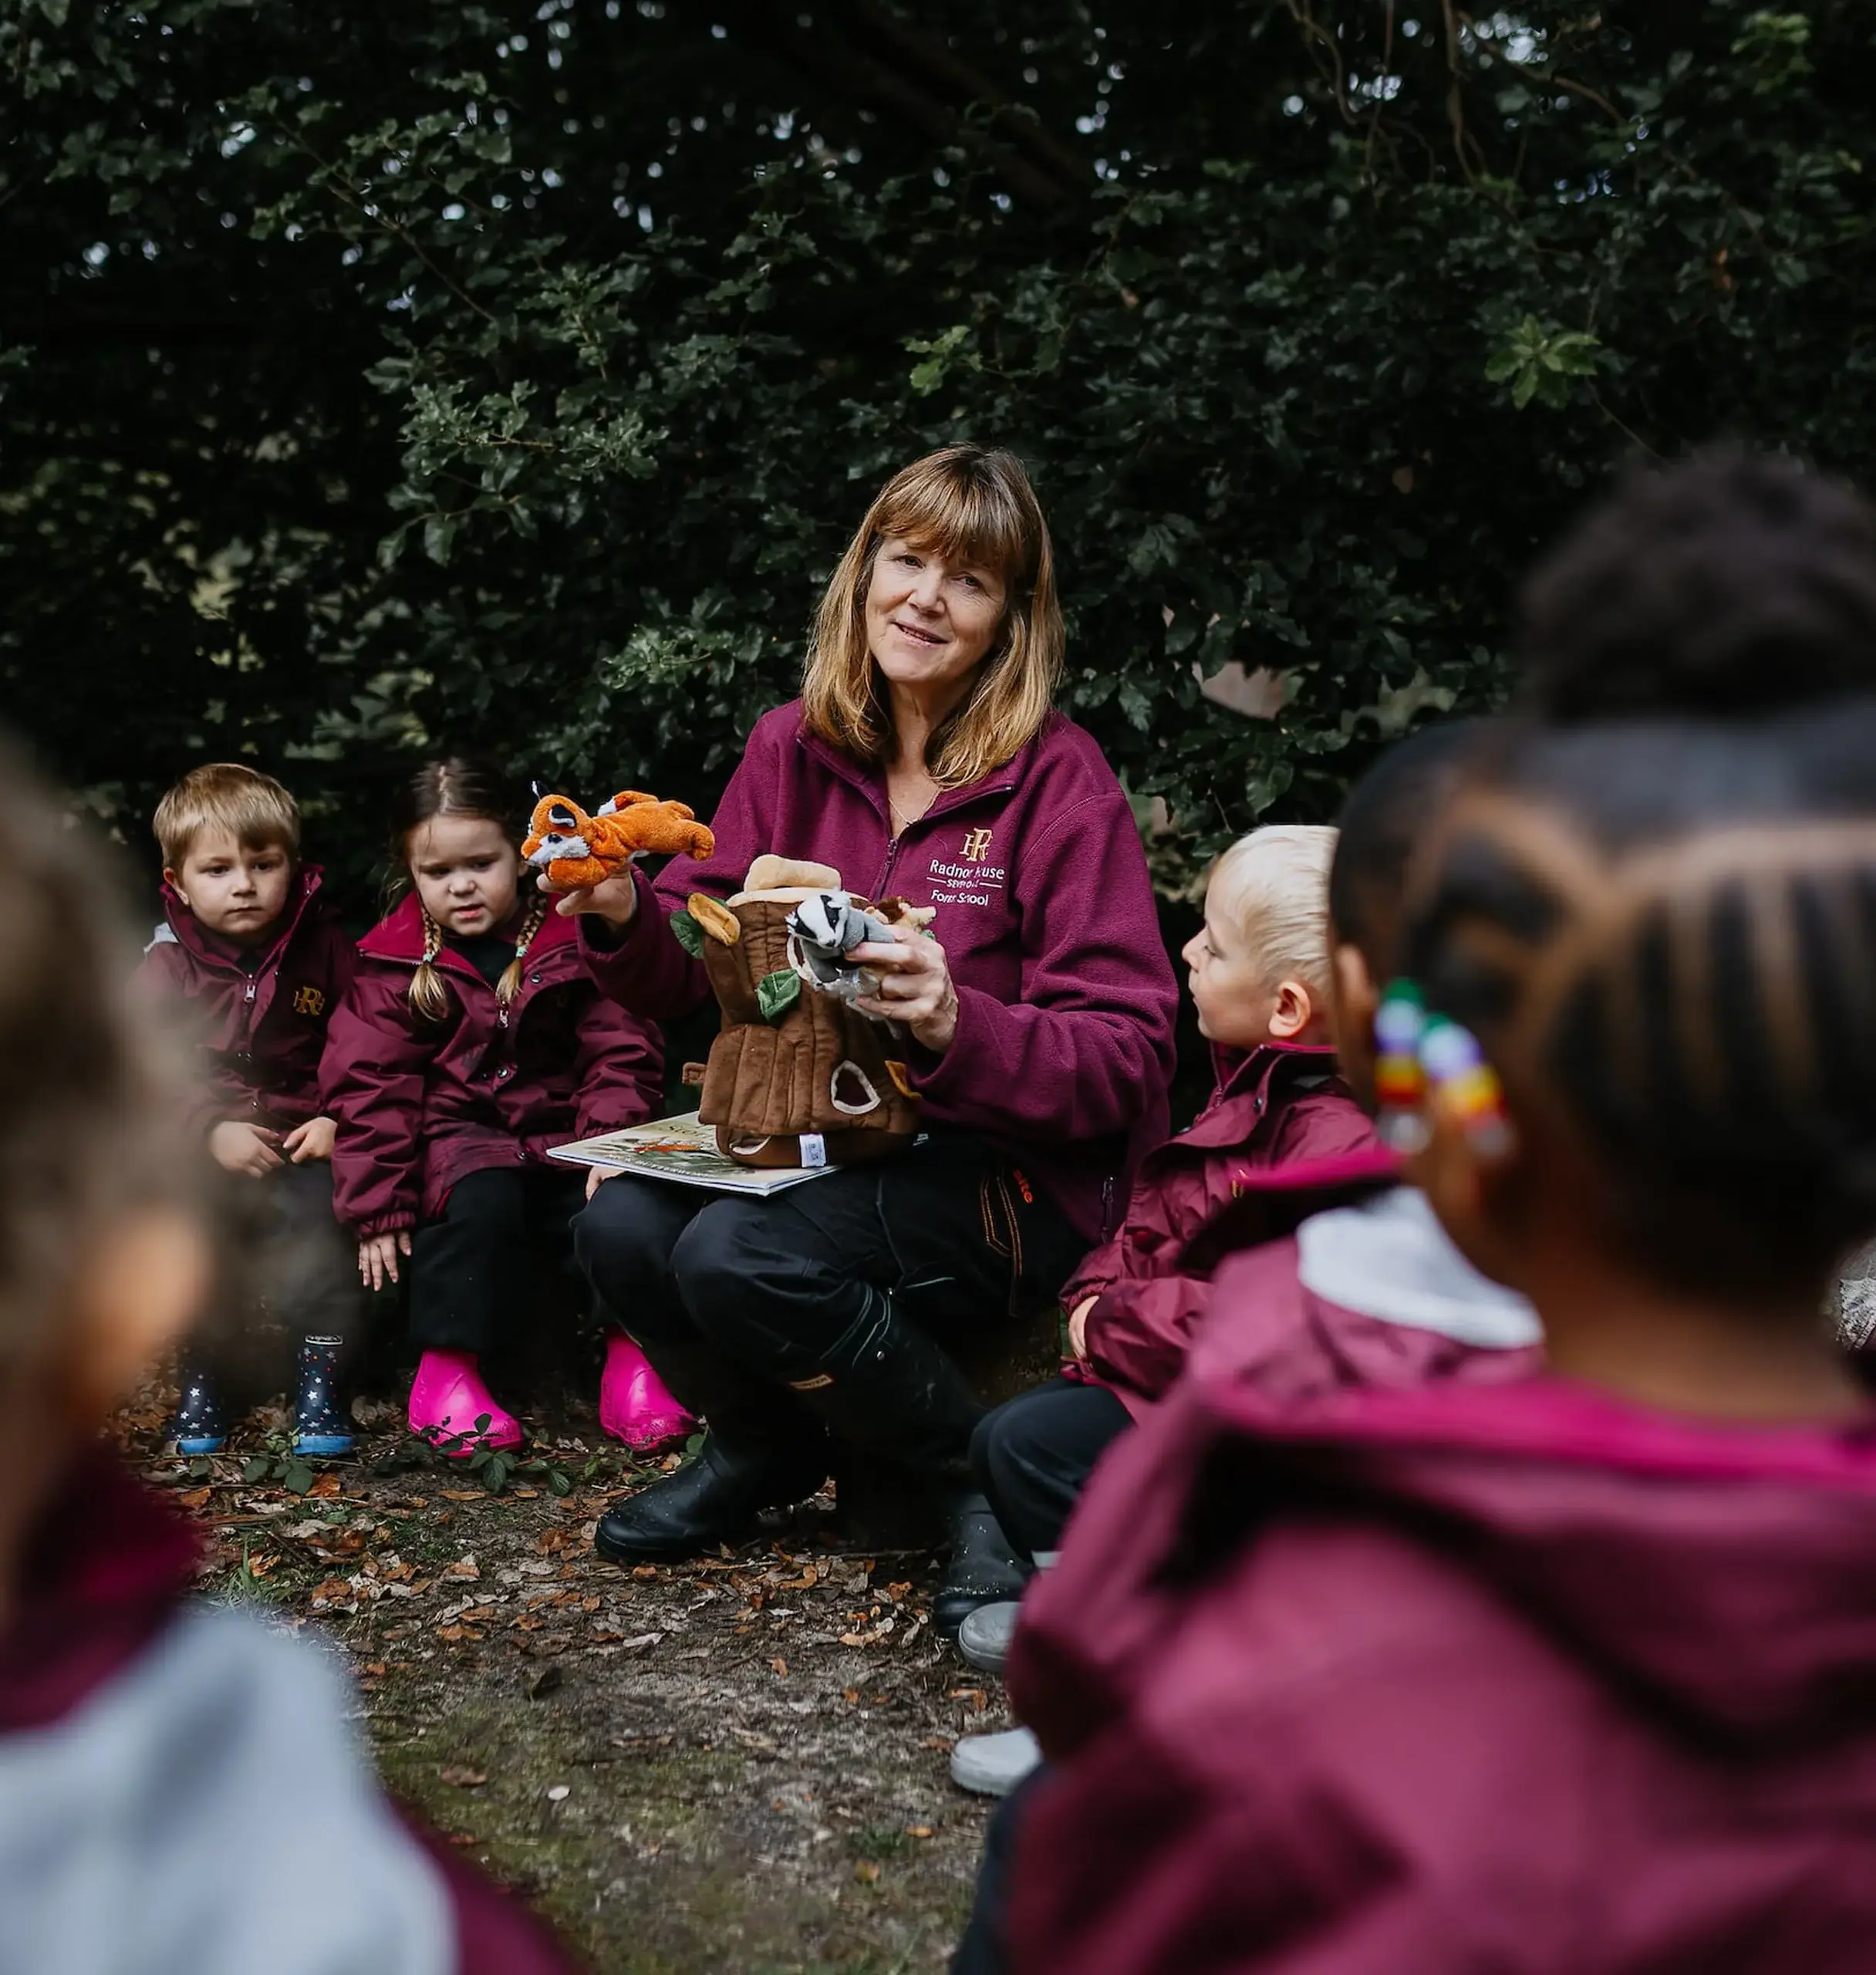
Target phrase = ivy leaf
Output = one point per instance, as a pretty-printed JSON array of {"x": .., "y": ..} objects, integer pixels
[{"x": 777, "y": 993}]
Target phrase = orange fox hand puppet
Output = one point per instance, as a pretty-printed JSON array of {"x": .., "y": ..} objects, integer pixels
[{"x": 574, "y": 849}]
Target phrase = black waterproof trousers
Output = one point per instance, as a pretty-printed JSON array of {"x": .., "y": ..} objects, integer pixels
[
  {"x": 476, "y": 1271},
  {"x": 953, "y": 1235},
  {"x": 1032, "y": 1455}
]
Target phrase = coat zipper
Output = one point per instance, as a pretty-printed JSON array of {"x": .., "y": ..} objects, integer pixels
[{"x": 939, "y": 808}]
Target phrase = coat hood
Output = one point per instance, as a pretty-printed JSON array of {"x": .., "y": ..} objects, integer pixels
[
  {"x": 182, "y": 926},
  {"x": 1726, "y": 1572},
  {"x": 400, "y": 936}
]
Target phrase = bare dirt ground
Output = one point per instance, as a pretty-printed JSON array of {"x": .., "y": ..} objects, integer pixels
[{"x": 737, "y": 1763}]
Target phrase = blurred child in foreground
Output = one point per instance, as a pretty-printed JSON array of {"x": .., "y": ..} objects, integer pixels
[
  {"x": 1300, "y": 1659},
  {"x": 180, "y": 1787}
]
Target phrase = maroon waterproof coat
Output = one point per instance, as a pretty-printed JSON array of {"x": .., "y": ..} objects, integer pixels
[
  {"x": 1066, "y": 999},
  {"x": 420, "y": 1105},
  {"x": 1273, "y": 1105},
  {"x": 260, "y": 1033},
  {"x": 1368, "y": 1291},
  {"x": 1523, "y": 1680},
  {"x": 205, "y": 1721}
]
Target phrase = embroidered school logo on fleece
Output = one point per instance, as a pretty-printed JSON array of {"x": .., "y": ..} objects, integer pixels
[
  {"x": 309, "y": 1001},
  {"x": 975, "y": 881}
]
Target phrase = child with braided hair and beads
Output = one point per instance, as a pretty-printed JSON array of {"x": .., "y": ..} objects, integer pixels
[
  {"x": 472, "y": 1042},
  {"x": 1297, "y": 1661}
]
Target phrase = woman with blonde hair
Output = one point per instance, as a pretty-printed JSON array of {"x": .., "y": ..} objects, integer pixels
[{"x": 923, "y": 760}]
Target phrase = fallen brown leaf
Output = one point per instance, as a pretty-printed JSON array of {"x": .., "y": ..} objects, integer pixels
[
  {"x": 462, "y": 1495},
  {"x": 195, "y": 1498},
  {"x": 918, "y": 1831},
  {"x": 461, "y": 1777},
  {"x": 325, "y": 1488},
  {"x": 867, "y": 1871},
  {"x": 780, "y": 1667}
]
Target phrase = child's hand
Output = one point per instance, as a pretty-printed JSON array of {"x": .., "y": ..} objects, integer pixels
[
  {"x": 377, "y": 1258},
  {"x": 597, "y": 1176},
  {"x": 1077, "y": 1327},
  {"x": 238, "y": 1147},
  {"x": 310, "y": 1141}
]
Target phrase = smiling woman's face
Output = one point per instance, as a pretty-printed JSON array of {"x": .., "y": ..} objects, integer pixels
[{"x": 930, "y": 620}]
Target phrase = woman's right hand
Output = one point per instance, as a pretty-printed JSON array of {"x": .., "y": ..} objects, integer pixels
[
  {"x": 1077, "y": 1327},
  {"x": 377, "y": 1258},
  {"x": 616, "y": 900}
]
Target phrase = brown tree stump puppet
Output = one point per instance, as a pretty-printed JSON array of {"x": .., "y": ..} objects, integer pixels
[{"x": 799, "y": 1076}]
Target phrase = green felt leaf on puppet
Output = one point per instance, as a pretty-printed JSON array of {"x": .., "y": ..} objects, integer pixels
[
  {"x": 690, "y": 934},
  {"x": 777, "y": 993}
]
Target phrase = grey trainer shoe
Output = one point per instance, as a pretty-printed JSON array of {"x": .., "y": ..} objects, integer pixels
[
  {"x": 993, "y": 1765},
  {"x": 983, "y": 1638}
]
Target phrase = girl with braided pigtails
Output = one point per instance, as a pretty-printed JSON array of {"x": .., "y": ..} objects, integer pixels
[
  {"x": 1578, "y": 1671},
  {"x": 472, "y": 1042}
]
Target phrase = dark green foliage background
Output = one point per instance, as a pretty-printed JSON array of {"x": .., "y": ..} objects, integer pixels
[{"x": 380, "y": 374}]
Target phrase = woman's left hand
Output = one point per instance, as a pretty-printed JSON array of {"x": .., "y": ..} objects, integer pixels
[{"x": 915, "y": 987}]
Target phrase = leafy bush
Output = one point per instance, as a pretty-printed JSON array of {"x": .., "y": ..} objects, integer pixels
[{"x": 375, "y": 375}]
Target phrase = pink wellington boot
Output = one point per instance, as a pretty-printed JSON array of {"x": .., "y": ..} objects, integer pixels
[
  {"x": 635, "y": 1406},
  {"x": 447, "y": 1397}
]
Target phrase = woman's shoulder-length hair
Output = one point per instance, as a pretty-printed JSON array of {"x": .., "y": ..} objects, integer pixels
[{"x": 974, "y": 504}]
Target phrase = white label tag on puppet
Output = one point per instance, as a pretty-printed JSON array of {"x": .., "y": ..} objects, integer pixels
[{"x": 814, "y": 1150}]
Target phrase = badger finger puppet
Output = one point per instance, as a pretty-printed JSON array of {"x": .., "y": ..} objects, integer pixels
[
  {"x": 574, "y": 849},
  {"x": 827, "y": 926}
]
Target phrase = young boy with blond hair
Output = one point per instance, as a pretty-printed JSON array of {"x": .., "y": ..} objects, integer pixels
[
  {"x": 253, "y": 949},
  {"x": 1259, "y": 981}
]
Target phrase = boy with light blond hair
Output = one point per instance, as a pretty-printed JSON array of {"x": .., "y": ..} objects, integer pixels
[
  {"x": 1259, "y": 974},
  {"x": 252, "y": 946}
]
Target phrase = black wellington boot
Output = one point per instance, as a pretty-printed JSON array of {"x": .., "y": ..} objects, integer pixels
[
  {"x": 984, "y": 1568},
  {"x": 200, "y": 1426},
  {"x": 320, "y": 1427},
  {"x": 889, "y": 1385},
  {"x": 758, "y": 1453}
]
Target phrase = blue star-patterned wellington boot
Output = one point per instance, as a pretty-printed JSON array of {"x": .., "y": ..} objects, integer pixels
[
  {"x": 198, "y": 1427},
  {"x": 319, "y": 1427}
]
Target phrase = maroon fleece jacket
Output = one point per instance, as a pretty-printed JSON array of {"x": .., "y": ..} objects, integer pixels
[
  {"x": 420, "y": 1104},
  {"x": 1526, "y": 1679},
  {"x": 259, "y": 1031},
  {"x": 1066, "y": 999},
  {"x": 1273, "y": 1106},
  {"x": 107, "y": 1573}
]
